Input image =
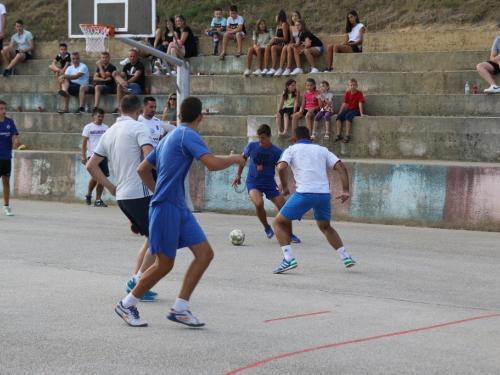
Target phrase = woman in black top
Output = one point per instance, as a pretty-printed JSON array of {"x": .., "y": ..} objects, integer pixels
[
  {"x": 186, "y": 45},
  {"x": 309, "y": 46}
]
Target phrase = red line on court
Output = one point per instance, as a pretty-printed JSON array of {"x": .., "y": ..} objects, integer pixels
[
  {"x": 296, "y": 316},
  {"x": 359, "y": 340}
]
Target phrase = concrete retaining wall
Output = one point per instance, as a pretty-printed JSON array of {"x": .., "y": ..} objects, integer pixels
[{"x": 448, "y": 195}]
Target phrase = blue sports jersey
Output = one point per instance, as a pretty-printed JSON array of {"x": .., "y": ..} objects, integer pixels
[
  {"x": 262, "y": 163},
  {"x": 172, "y": 159},
  {"x": 7, "y": 130}
]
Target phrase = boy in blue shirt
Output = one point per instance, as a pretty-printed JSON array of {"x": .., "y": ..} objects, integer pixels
[
  {"x": 217, "y": 29},
  {"x": 8, "y": 133},
  {"x": 171, "y": 223},
  {"x": 260, "y": 179}
]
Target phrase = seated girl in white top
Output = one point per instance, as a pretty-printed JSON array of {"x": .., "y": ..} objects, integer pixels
[{"x": 354, "y": 39}]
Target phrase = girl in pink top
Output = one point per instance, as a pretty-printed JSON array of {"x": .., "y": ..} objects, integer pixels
[{"x": 309, "y": 106}]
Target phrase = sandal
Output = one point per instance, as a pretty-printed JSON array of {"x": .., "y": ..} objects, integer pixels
[
  {"x": 346, "y": 139},
  {"x": 327, "y": 135},
  {"x": 238, "y": 54},
  {"x": 221, "y": 57},
  {"x": 63, "y": 93},
  {"x": 313, "y": 136},
  {"x": 61, "y": 111},
  {"x": 338, "y": 138}
]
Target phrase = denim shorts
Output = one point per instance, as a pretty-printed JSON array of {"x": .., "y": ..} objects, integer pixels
[{"x": 136, "y": 89}]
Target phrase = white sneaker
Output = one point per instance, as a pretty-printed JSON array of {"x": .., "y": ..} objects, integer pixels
[
  {"x": 157, "y": 72},
  {"x": 286, "y": 72},
  {"x": 158, "y": 65},
  {"x": 124, "y": 62},
  {"x": 493, "y": 90},
  {"x": 247, "y": 72},
  {"x": 258, "y": 72},
  {"x": 296, "y": 71},
  {"x": 264, "y": 72},
  {"x": 130, "y": 315},
  {"x": 314, "y": 70},
  {"x": 278, "y": 73},
  {"x": 271, "y": 72},
  {"x": 7, "y": 211},
  {"x": 173, "y": 74},
  {"x": 184, "y": 317}
]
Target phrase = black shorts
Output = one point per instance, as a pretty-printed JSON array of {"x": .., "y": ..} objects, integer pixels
[
  {"x": 496, "y": 68},
  {"x": 5, "y": 167},
  {"x": 288, "y": 110},
  {"x": 137, "y": 211},
  {"x": 28, "y": 55},
  {"x": 1, "y": 44},
  {"x": 74, "y": 89},
  {"x": 304, "y": 112},
  {"x": 103, "y": 165},
  {"x": 191, "y": 50},
  {"x": 355, "y": 49}
]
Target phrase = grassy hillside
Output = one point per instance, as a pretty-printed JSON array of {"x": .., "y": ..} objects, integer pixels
[{"x": 47, "y": 19}]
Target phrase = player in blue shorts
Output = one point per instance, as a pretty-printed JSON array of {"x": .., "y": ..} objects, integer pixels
[
  {"x": 309, "y": 164},
  {"x": 171, "y": 223},
  {"x": 260, "y": 179}
]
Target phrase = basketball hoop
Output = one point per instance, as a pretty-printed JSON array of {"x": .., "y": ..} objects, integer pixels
[{"x": 95, "y": 35}]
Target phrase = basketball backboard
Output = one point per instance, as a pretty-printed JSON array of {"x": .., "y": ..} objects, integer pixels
[{"x": 130, "y": 18}]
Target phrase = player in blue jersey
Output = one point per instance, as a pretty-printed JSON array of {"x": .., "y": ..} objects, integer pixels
[
  {"x": 171, "y": 223},
  {"x": 8, "y": 133},
  {"x": 260, "y": 179}
]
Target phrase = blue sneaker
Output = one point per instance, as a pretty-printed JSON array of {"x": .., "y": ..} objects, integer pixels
[
  {"x": 285, "y": 266},
  {"x": 184, "y": 317},
  {"x": 269, "y": 232},
  {"x": 131, "y": 285},
  {"x": 348, "y": 262},
  {"x": 294, "y": 238}
]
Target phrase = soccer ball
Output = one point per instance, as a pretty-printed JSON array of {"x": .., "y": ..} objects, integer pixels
[{"x": 237, "y": 237}]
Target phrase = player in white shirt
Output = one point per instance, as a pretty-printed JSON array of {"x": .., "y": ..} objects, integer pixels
[
  {"x": 91, "y": 136},
  {"x": 126, "y": 144},
  {"x": 156, "y": 127},
  {"x": 309, "y": 163}
]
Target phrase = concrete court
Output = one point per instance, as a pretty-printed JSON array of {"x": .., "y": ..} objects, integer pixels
[{"x": 407, "y": 307}]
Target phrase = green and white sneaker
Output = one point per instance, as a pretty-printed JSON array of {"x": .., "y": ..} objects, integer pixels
[
  {"x": 7, "y": 211},
  {"x": 348, "y": 262}
]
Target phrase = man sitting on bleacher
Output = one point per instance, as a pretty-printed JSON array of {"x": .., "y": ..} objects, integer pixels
[
  {"x": 25, "y": 45},
  {"x": 75, "y": 76}
]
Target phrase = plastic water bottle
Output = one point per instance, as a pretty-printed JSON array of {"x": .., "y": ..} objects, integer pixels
[
  {"x": 86, "y": 108},
  {"x": 467, "y": 89}
]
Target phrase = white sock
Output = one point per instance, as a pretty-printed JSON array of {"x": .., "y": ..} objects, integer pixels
[
  {"x": 137, "y": 276},
  {"x": 287, "y": 252},
  {"x": 180, "y": 304},
  {"x": 343, "y": 254},
  {"x": 130, "y": 300}
]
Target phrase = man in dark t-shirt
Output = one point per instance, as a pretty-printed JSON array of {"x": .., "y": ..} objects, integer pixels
[
  {"x": 104, "y": 83},
  {"x": 130, "y": 80}
]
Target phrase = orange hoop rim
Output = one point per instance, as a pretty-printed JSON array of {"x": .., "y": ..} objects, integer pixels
[{"x": 111, "y": 32}]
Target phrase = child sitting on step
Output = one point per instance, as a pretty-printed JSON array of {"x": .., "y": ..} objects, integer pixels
[
  {"x": 351, "y": 107},
  {"x": 326, "y": 109}
]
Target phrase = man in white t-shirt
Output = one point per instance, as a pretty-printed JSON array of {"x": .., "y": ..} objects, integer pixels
[
  {"x": 126, "y": 144},
  {"x": 156, "y": 127},
  {"x": 25, "y": 45},
  {"x": 309, "y": 163},
  {"x": 3, "y": 22},
  {"x": 91, "y": 136},
  {"x": 76, "y": 75}
]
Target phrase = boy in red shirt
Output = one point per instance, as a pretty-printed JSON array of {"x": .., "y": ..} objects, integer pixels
[{"x": 351, "y": 107}]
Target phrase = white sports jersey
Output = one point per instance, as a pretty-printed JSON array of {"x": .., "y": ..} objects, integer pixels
[
  {"x": 156, "y": 128},
  {"x": 309, "y": 163},
  {"x": 94, "y": 133},
  {"x": 122, "y": 145}
]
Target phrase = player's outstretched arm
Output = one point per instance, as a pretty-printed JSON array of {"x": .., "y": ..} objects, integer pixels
[
  {"x": 144, "y": 171},
  {"x": 218, "y": 163},
  {"x": 344, "y": 179},
  {"x": 96, "y": 173}
]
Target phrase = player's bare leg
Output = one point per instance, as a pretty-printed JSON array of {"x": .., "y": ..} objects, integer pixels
[
  {"x": 258, "y": 201},
  {"x": 203, "y": 255}
]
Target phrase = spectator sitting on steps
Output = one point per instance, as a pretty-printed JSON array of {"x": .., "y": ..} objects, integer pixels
[
  {"x": 76, "y": 75},
  {"x": 25, "y": 46},
  {"x": 489, "y": 68}
]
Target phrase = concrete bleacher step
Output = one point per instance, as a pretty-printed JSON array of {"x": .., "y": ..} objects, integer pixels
[
  {"x": 242, "y": 105},
  {"x": 406, "y": 137},
  {"x": 70, "y": 123},
  {"x": 365, "y": 62},
  {"x": 395, "y": 83},
  {"x": 393, "y": 41}
]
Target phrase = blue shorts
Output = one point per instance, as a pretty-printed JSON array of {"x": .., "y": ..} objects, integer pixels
[
  {"x": 321, "y": 50},
  {"x": 214, "y": 32},
  {"x": 136, "y": 89},
  {"x": 74, "y": 89},
  {"x": 171, "y": 228},
  {"x": 347, "y": 115},
  {"x": 104, "y": 91},
  {"x": 269, "y": 190},
  {"x": 300, "y": 203}
]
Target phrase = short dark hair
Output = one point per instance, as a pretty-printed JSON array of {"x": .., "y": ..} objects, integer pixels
[
  {"x": 148, "y": 99},
  {"x": 233, "y": 8},
  {"x": 63, "y": 45},
  {"x": 100, "y": 111},
  {"x": 2, "y": 102},
  {"x": 190, "y": 109},
  {"x": 74, "y": 53},
  {"x": 105, "y": 53},
  {"x": 130, "y": 104},
  {"x": 301, "y": 132},
  {"x": 20, "y": 22},
  {"x": 264, "y": 129},
  {"x": 217, "y": 10}
]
